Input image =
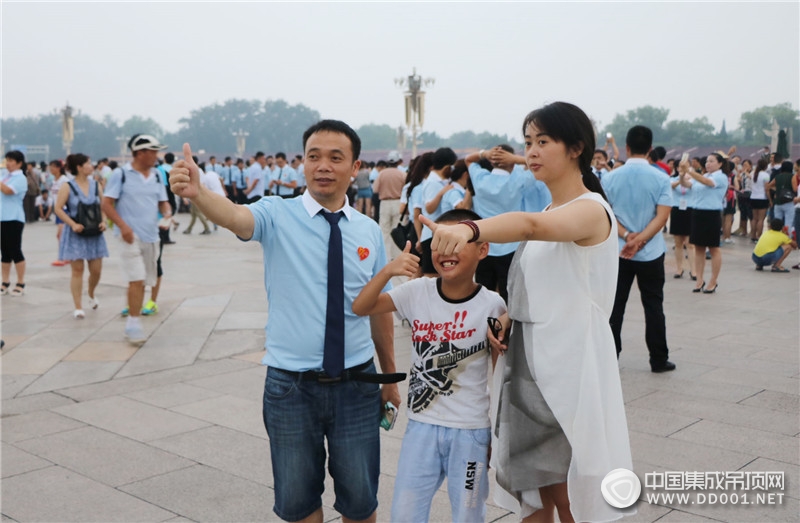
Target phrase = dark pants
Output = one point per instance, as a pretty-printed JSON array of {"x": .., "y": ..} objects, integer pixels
[
  {"x": 650, "y": 279},
  {"x": 492, "y": 273},
  {"x": 229, "y": 193},
  {"x": 376, "y": 207}
]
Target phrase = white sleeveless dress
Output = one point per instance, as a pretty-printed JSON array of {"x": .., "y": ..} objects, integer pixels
[{"x": 558, "y": 411}]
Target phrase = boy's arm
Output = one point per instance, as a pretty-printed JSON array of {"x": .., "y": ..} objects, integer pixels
[{"x": 371, "y": 300}]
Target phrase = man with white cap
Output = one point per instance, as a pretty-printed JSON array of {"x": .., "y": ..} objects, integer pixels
[{"x": 133, "y": 197}]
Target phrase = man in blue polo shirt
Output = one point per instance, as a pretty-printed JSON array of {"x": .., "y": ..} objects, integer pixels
[
  {"x": 254, "y": 178},
  {"x": 640, "y": 195},
  {"x": 133, "y": 197},
  {"x": 499, "y": 191},
  {"x": 284, "y": 178},
  {"x": 239, "y": 182},
  {"x": 310, "y": 326}
]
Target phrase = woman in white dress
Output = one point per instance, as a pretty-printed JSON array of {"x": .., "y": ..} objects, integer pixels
[{"x": 559, "y": 424}]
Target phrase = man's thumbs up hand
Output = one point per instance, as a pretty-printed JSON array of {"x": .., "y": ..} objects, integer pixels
[{"x": 184, "y": 178}]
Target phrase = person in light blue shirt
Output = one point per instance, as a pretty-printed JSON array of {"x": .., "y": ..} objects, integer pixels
[
  {"x": 133, "y": 197},
  {"x": 460, "y": 196},
  {"x": 225, "y": 178},
  {"x": 303, "y": 405},
  {"x": 284, "y": 178},
  {"x": 239, "y": 182},
  {"x": 641, "y": 198},
  {"x": 13, "y": 187},
  {"x": 497, "y": 191},
  {"x": 708, "y": 191},
  {"x": 254, "y": 178},
  {"x": 436, "y": 187}
]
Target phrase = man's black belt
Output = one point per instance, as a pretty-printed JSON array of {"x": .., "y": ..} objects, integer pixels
[{"x": 352, "y": 374}]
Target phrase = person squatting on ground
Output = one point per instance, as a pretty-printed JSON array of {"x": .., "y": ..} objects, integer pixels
[
  {"x": 448, "y": 432},
  {"x": 321, "y": 381},
  {"x": 773, "y": 248},
  {"x": 557, "y": 393},
  {"x": 73, "y": 246}
]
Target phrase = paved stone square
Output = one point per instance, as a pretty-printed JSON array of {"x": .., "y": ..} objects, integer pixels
[{"x": 96, "y": 430}]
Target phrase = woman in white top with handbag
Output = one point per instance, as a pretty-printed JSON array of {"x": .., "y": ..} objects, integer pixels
[{"x": 559, "y": 420}]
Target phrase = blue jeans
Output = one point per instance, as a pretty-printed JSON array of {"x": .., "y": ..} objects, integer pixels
[
  {"x": 769, "y": 258},
  {"x": 299, "y": 416},
  {"x": 428, "y": 455},
  {"x": 785, "y": 212}
]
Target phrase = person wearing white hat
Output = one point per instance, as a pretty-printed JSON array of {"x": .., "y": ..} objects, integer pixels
[{"x": 133, "y": 197}]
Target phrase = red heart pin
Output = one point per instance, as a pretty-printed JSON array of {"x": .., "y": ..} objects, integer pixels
[{"x": 363, "y": 253}]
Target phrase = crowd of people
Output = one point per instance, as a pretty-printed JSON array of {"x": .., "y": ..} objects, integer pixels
[{"x": 516, "y": 264}]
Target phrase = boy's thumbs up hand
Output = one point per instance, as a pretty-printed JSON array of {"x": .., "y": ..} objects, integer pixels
[
  {"x": 406, "y": 264},
  {"x": 184, "y": 178}
]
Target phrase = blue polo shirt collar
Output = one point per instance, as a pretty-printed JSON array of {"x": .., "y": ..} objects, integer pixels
[
  {"x": 636, "y": 160},
  {"x": 313, "y": 207}
]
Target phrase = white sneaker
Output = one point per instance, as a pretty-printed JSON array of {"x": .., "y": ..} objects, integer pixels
[
  {"x": 78, "y": 314},
  {"x": 729, "y": 241},
  {"x": 135, "y": 335},
  {"x": 93, "y": 303}
]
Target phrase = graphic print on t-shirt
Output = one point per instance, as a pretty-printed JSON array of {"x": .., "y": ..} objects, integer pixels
[{"x": 437, "y": 363}]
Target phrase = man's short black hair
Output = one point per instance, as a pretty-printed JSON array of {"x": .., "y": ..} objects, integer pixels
[
  {"x": 169, "y": 158},
  {"x": 776, "y": 224},
  {"x": 601, "y": 151},
  {"x": 280, "y": 155},
  {"x": 777, "y": 158},
  {"x": 443, "y": 156},
  {"x": 259, "y": 154},
  {"x": 639, "y": 139},
  {"x": 458, "y": 215},
  {"x": 661, "y": 153},
  {"x": 212, "y": 158},
  {"x": 227, "y": 158},
  {"x": 507, "y": 148},
  {"x": 381, "y": 163},
  {"x": 335, "y": 126}
]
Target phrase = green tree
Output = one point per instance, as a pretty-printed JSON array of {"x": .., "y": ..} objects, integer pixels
[
  {"x": 647, "y": 115},
  {"x": 685, "y": 133},
  {"x": 141, "y": 125},
  {"x": 274, "y": 126},
  {"x": 431, "y": 140},
  {"x": 376, "y": 136},
  {"x": 754, "y": 122}
]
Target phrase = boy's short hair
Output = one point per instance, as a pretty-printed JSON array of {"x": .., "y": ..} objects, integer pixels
[
  {"x": 458, "y": 215},
  {"x": 776, "y": 224}
]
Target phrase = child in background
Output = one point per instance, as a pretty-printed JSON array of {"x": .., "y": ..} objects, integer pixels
[{"x": 448, "y": 433}]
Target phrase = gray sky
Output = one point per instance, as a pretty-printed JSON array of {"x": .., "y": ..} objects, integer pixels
[{"x": 493, "y": 62}]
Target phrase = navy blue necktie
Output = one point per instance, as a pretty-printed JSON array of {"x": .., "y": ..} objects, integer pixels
[{"x": 333, "y": 357}]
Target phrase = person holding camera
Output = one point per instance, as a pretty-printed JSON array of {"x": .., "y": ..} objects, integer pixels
[{"x": 75, "y": 247}]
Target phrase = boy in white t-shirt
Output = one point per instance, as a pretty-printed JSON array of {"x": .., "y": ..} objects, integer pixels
[{"x": 448, "y": 432}]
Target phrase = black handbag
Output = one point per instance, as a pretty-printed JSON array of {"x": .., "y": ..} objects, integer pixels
[
  {"x": 404, "y": 232},
  {"x": 88, "y": 214}
]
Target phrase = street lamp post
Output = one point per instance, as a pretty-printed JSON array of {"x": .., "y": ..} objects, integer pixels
[
  {"x": 67, "y": 128},
  {"x": 123, "y": 142},
  {"x": 241, "y": 140},
  {"x": 415, "y": 103}
]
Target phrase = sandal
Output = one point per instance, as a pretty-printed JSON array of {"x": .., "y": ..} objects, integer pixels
[
  {"x": 4, "y": 288},
  {"x": 19, "y": 289},
  {"x": 779, "y": 269}
]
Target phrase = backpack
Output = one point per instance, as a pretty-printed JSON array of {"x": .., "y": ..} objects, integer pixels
[
  {"x": 783, "y": 188},
  {"x": 88, "y": 214}
]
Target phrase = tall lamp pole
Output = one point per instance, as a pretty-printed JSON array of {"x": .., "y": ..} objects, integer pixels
[
  {"x": 415, "y": 103},
  {"x": 241, "y": 140},
  {"x": 123, "y": 148},
  {"x": 67, "y": 128}
]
